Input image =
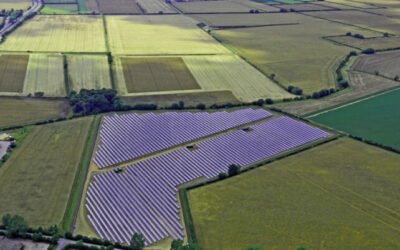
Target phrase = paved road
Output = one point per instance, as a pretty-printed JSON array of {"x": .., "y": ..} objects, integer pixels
[{"x": 36, "y": 6}]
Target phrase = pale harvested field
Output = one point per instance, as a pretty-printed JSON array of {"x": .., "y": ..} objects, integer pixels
[
  {"x": 15, "y": 4},
  {"x": 58, "y": 33},
  {"x": 362, "y": 19},
  {"x": 297, "y": 56},
  {"x": 118, "y": 7},
  {"x": 211, "y": 6},
  {"x": 387, "y": 64},
  {"x": 379, "y": 43},
  {"x": 363, "y": 84},
  {"x": 149, "y": 35},
  {"x": 45, "y": 74},
  {"x": 153, "y": 74},
  {"x": 12, "y": 72},
  {"x": 155, "y": 6},
  {"x": 229, "y": 72},
  {"x": 88, "y": 72}
]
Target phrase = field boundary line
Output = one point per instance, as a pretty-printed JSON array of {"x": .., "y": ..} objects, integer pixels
[
  {"x": 383, "y": 92},
  {"x": 75, "y": 197},
  {"x": 345, "y": 201}
]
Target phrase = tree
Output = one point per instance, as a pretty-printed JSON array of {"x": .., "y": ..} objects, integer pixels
[
  {"x": 137, "y": 242},
  {"x": 269, "y": 101},
  {"x": 37, "y": 236},
  {"x": 176, "y": 244},
  {"x": 233, "y": 170},
  {"x": 201, "y": 106},
  {"x": 222, "y": 176},
  {"x": 396, "y": 78},
  {"x": 14, "y": 225},
  {"x": 190, "y": 246}
]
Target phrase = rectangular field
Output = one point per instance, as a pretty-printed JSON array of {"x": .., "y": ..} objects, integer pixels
[
  {"x": 229, "y": 72},
  {"x": 152, "y": 74},
  {"x": 88, "y": 72},
  {"x": 15, "y": 4},
  {"x": 92, "y": 6},
  {"x": 211, "y": 6},
  {"x": 308, "y": 200},
  {"x": 21, "y": 111},
  {"x": 59, "y": 9},
  {"x": 297, "y": 56},
  {"x": 12, "y": 72},
  {"x": 36, "y": 180},
  {"x": 386, "y": 64},
  {"x": 155, "y": 6},
  {"x": 378, "y": 43},
  {"x": 118, "y": 7},
  {"x": 62, "y": 33},
  {"x": 362, "y": 19},
  {"x": 375, "y": 119},
  {"x": 159, "y": 35},
  {"x": 45, "y": 74}
]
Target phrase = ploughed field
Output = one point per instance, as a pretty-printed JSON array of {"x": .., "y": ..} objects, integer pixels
[
  {"x": 146, "y": 201},
  {"x": 152, "y": 74},
  {"x": 12, "y": 72},
  {"x": 343, "y": 190},
  {"x": 36, "y": 181}
]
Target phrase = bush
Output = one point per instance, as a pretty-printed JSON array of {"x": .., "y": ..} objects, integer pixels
[
  {"x": 68, "y": 235},
  {"x": 37, "y": 236},
  {"x": 348, "y": 34},
  {"x": 268, "y": 101},
  {"x": 396, "y": 78},
  {"x": 222, "y": 176},
  {"x": 145, "y": 106},
  {"x": 38, "y": 94},
  {"x": 386, "y": 34},
  {"x": 14, "y": 225},
  {"x": 315, "y": 95},
  {"x": 358, "y": 36},
  {"x": 368, "y": 51},
  {"x": 201, "y": 106},
  {"x": 259, "y": 102},
  {"x": 343, "y": 84},
  {"x": 233, "y": 170}
]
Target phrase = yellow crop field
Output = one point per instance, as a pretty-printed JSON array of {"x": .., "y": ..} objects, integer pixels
[
  {"x": 340, "y": 195},
  {"x": 229, "y": 72},
  {"x": 58, "y": 33},
  {"x": 158, "y": 34},
  {"x": 297, "y": 56},
  {"x": 88, "y": 72},
  {"x": 45, "y": 74},
  {"x": 15, "y": 4}
]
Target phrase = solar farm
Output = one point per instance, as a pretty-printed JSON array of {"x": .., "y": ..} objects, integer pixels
[{"x": 198, "y": 124}]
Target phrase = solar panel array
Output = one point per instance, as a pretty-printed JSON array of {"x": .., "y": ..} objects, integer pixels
[
  {"x": 128, "y": 136},
  {"x": 143, "y": 198}
]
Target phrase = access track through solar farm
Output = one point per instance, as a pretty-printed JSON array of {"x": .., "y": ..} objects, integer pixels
[{"x": 342, "y": 189}]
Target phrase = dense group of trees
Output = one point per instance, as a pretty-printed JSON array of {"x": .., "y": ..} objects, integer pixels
[{"x": 88, "y": 102}]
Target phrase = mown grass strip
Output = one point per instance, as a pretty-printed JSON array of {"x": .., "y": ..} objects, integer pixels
[
  {"x": 71, "y": 211},
  {"x": 187, "y": 215}
]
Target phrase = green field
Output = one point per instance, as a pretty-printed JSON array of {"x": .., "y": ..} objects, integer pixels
[
  {"x": 59, "y": 9},
  {"x": 36, "y": 181},
  {"x": 21, "y": 111},
  {"x": 340, "y": 195},
  {"x": 375, "y": 119}
]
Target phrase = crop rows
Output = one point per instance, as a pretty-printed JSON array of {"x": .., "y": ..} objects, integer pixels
[
  {"x": 143, "y": 199},
  {"x": 126, "y": 137}
]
